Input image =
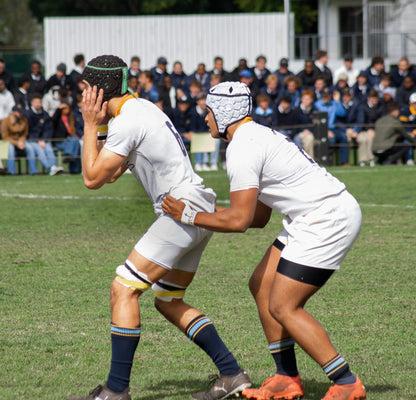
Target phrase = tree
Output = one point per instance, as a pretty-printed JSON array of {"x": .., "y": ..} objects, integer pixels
[
  {"x": 305, "y": 11},
  {"x": 17, "y": 26}
]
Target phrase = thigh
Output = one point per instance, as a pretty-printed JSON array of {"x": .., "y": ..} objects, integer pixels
[
  {"x": 262, "y": 278},
  {"x": 172, "y": 245}
]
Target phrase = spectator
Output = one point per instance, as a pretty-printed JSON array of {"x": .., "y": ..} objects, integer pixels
[
  {"x": 408, "y": 118},
  {"x": 404, "y": 91},
  {"x": 148, "y": 90},
  {"x": 388, "y": 144},
  {"x": 283, "y": 71},
  {"x": 202, "y": 76},
  {"x": 408, "y": 114},
  {"x": 373, "y": 108},
  {"x": 64, "y": 128},
  {"x": 79, "y": 61},
  {"x": 320, "y": 84},
  {"x": 60, "y": 78},
  {"x": 133, "y": 84},
  {"x": 21, "y": 94},
  {"x": 354, "y": 129},
  {"x": 308, "y": 75},
  {"x": 167, "y": 96},
  {"x": 159, "y": 71},
  {"x": 348, "y": 70},
  {"x": 235, "y": 74},
  {"x": 181, "y": 118},
  {"x": 306, "y": 109},
  {"x": 321, "y": 68},
  {"x": 260, "y": 72},
  {"x": 80, "y": 87},
  {"x": 79, "y": 121},
  {"x": 341, "y": 83},
  {"x": 215, "y": 80},
  {"x": 36, "y": 78},
  {"x": 198, "y": 125},
  {"x": 195, "y": 89},
  {"x": 361, "y": 87},
  {"x": 246, "y": 76},
  {"x": 6, "y": 101},
  {"x": 264, "y": 113},
  {"x": 374, "y": 71},
  {"x": 403, "y": 69},
  {"x": 335, "y": 110},
  {"x": 6, "y": 76},
  {"x": 219, "y": 68},
  {"x": 15, "y": 129},
  {"x": 54, "y": 97},
  {"x": 292, "y": 87},
  {"x": 287, "y": 117},
  {"x": 385, "y": 84},
  {"x": 40, "y": 132},
  {"x": 134, "y": 69},
  {"x": 389, "y": 95},
  {"x": 180, "y": 80},
  {"x": 272, "y": 89}
]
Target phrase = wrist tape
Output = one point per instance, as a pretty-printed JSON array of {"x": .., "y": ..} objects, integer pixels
[{"x": 188, "y": 215}]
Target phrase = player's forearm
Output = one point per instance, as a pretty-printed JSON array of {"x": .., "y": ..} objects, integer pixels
[
  {"x": 89, "y": 155},
  {"x": 223, "y": 221}
]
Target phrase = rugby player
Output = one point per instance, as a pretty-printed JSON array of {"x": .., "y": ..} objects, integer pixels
[
  {"x": 321, "y": 221},
  {"x": 139, "y": 136}
]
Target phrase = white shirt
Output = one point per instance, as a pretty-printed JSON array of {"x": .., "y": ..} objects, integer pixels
[
  {"x": 287, "y": 179},
  {"x": 156, "y": 155},
  {"x": 351, "y": 73},
  {"x": 6, "y": 103}
]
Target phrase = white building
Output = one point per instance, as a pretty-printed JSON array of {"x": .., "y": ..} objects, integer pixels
[
  {"x": 364, "y": 28},
  {"x": 367, "y": 28}
]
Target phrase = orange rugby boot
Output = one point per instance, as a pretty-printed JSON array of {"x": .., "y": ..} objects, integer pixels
[
  {"x": 277, "y": 387},
  {"x": 353, "y": 391}
]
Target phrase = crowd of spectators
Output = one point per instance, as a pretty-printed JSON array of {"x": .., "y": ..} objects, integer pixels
[{"x": 41, "y": 115}]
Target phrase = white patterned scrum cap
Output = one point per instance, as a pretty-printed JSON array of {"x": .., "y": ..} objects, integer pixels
[{"x": 229, "y": 102}]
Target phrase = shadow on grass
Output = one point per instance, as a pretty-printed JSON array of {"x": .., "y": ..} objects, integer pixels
[
  {"x": 169, "y": 388},
  {"x": 316, "y": 390},
  {"x": 184, "y": 388}
]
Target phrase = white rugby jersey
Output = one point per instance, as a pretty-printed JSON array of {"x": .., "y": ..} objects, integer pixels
[
  {"x": 288, "y": 180},
  {"x": 156, "y": 155}
]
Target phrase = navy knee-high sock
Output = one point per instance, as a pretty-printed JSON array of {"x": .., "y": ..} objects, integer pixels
[
  {"x": 124, "y": 342},
  {"x": 283, "y": 353},
  {"x": 202, "y": 332},
  {"x": 338, "y": 371}
]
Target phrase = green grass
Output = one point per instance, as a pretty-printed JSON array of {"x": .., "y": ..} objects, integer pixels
[{"x": 60, "y": 245}]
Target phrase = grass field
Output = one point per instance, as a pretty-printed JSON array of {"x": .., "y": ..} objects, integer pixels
[{"x": 60, "y": 244}]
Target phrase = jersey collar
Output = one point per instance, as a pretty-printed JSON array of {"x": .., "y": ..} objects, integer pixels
[
  {"x": 246, "y": 119},
  {"x": 122, "y": 103}
]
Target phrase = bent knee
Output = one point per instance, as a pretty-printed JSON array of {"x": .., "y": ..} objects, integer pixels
[
  {"x": 118, "y": 290},
  {"x": 165, "y": 307},
  {"x": 280, "y": 310}
]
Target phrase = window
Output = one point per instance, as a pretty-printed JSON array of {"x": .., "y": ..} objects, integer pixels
[{"x": 351, "y": 31}]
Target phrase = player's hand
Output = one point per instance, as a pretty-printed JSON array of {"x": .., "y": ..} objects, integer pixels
[
  {"x": 173, "y": 207},
  {"x": 94, "y": 111}
]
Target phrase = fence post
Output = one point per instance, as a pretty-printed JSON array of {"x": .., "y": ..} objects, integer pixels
[{"x": 320, "y": 131}]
